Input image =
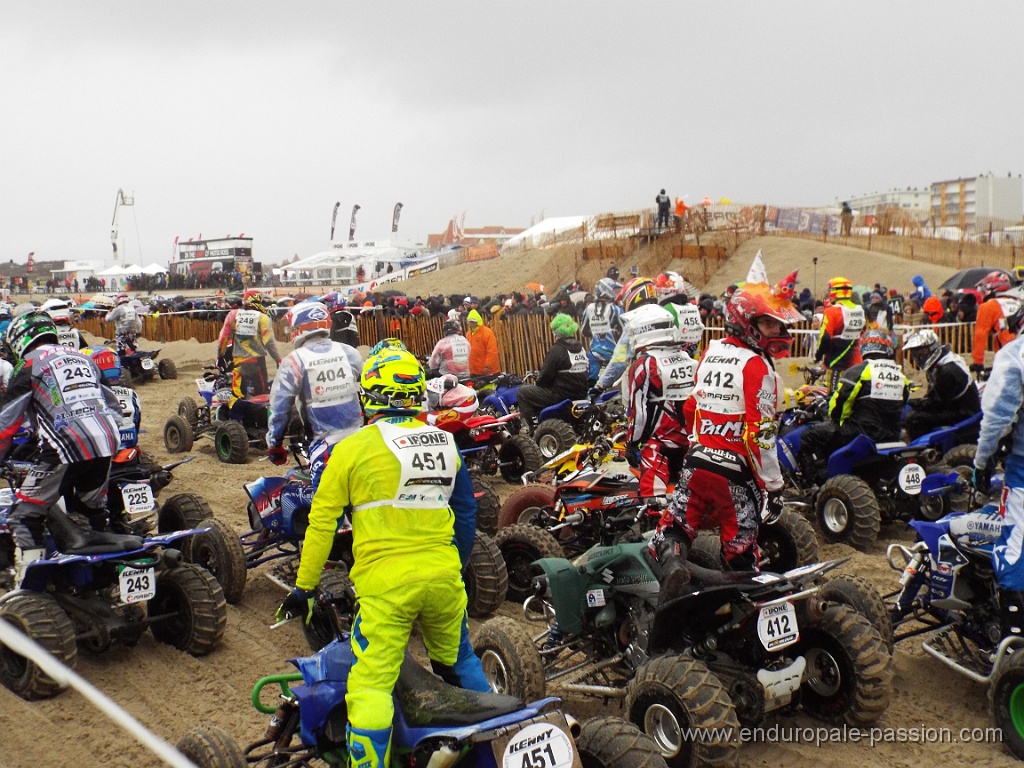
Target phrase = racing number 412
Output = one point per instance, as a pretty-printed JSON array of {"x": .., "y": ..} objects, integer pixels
[{"x": 426, "y": 460}]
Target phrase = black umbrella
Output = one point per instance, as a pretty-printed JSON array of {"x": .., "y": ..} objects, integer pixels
[{"x": 970, "y": 277}]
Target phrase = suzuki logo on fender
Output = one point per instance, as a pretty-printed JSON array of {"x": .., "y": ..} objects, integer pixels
[{"x": 729, "y": 429}]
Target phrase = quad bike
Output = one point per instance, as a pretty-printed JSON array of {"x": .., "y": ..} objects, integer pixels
[
  {"x": 600, "y": 503},
  {"x": 101, "y": 588},
  {"x": 868, "y": 484},
  {"x": 948, "y": 592},
  {"x": 489, "y": 444},
  {"x": 736, "y": 647},
  {"x": 233, "y": 429},
  {"x": 138, "y": 367},
  {"x": 435, "y": 724},
  {"x": 278, "y": 513}
]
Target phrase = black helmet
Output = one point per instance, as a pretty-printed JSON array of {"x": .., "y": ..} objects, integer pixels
[
  {"x": 613, "y": 273},
  {"x": 450, "y": 327}
]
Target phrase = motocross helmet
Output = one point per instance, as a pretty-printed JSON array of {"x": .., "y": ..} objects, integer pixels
[
  {"x": 923, "y": 347},
  {"x": 878, "y": 345},
  {"x": 253, "y": 299},
  {"x": 637, "y": 292},
  {"x": 107, "y": 360},
  {"x": 840, "y": 288},
  {"x": 392, "y": 382},
  {"x": 688, "y": 321},
  {"x": 28, "y": 330},
  {"x": 563, "y": 325},
  {"x": 994, "y": 282},
  {"x": 749, "y": 305},
  {"x": 606, "y": 288},
  {"x": 122, "y": 298},
  {"x": 393, "y": 345},
  {"x": 306, "y": 320},
  {"x": 613, "y": 273},
  {"x": 451, "y": 327},
  {"x": 650, "y": 326}
]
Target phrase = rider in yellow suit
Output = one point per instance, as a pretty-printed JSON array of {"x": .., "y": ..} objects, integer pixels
[{"x": 413, "y": 521}]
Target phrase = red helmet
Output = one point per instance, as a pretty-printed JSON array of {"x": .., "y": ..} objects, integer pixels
[
  {"x": 742, "y": 313},
  {"x": 253, "y": 299},
  {"x": 994, "y": 282},
  {"x": 637, "y": 292}
]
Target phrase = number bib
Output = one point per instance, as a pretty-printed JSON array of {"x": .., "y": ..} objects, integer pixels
[
  {"x": 886, "y": 381},
  {"x": 539, "y": 745},
  {"x": 67, "y": 337},
  {"x": 578, "y": 362},
  {"x": 677, "y": 371},
  {"x": 247, "y": 323},
  {"x": 137, "y": 497},
  {"x": 1009, "y": 307},
  {"x": 330, "y": 377},
  {"x": 76, "y": 380},
  {"x": 460, "y": 351},
  {"x": 428, "y": 459},
  {"x": 853, "y": 323},
  {"x": 719, "y": 386},
  {"x": 600, "y": 322}
]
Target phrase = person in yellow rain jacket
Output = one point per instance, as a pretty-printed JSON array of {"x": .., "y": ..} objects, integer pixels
[
  {"x": 413, "y": 523},
  {"x": 249, "y": 333}
]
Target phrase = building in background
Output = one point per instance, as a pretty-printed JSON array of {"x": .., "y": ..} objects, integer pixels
[
  {"x": 201, "y": 258},
  {"x": 978, "y": 204},
  {"x": 914, "y": 201}
]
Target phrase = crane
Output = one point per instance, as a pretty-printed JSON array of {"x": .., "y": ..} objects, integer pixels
[{"x": 121, "y": 200}]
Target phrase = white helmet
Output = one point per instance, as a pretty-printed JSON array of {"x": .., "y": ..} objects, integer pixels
[
  {"x": 651, "y": 325},
  {"x": 923, "y": 347},
  {"x": 691, "y": 327}
]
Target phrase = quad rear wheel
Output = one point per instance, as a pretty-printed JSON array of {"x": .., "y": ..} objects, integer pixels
[
  {"x": 218, "y": 550},
  {"x": 39, "y": 617},
  {"x": 788, "y": 543},
  {"x": 178, "y": 437},
  {"x": 529, "y": 496},
  {"x": 1008, "y": 703},
  {"x": 848, "y": 511},
  {"x": 610, "y": 742},
  {"x": 167, "y": 369},
  {"x": 485, "y": 577},
  {"x": 554, "y": 436},
  {"x": 510, "y": 659},
  {"x": 518, "y": 456},
  {"x": 207, "y": 746},
  {"x": 520, "y": 546},
  {"x": 191, "y": 607},
  {"x": 488, "y": 506}
]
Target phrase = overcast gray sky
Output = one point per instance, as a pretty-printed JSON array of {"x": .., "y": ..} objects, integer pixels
[{"x": 256, "y": 117}]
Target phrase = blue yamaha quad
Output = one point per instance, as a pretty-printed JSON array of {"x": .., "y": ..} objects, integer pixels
[
  {"x": 873, "y": 483},
  {"x": 102, "y": 588},
  {"x": 948, "y": 592},
  {"x": 435, "y": 723}
]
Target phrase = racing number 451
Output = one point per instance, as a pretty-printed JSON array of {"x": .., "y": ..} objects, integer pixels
[{"x": 427, "y": 460}]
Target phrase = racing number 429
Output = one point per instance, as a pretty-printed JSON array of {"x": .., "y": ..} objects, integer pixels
[{"x": 427, "y": 460}]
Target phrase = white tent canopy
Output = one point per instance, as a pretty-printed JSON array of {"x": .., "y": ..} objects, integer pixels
[
  {"x": 154, "y": 269},
  {"x": 116, "y": 271}
]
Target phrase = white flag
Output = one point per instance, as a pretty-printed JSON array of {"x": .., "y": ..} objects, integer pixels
[{"x": 757, "y": 273}]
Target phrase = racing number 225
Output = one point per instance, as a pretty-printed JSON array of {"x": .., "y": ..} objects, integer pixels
[{"x": 427, "y": 460}]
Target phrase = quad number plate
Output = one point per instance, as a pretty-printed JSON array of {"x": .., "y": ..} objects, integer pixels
[
  {"x": 137, "y": 584},
  {"x": 138, "y": 497},
  {"x": 147, "y": 364},
  {"x": 777, "y": 627},
  {"x": 544, "y": 744}
]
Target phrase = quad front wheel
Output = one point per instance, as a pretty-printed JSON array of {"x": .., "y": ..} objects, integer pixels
[
  {"x": 178, "y": 437},
  {"x": 207, "y": 746},
  {"x": 848, "y": 511},
  {"x": 218, "y": 550},
  {"x": 189, "y": 609},
  {"x": 188, "y": 410},
  {"x": 520, "y": 546},
  {"x": 1008, "y": 702},
  {"x": 675, "y": 699},
  {"x": 167, "y": 369},
  {"x": 39, "y": 617},
  {"x": 518, "y": 456},
  {"x": 231, "y": 442},
  {"x": 485, "y": 577},
  {"x": 510, "y": 660}
]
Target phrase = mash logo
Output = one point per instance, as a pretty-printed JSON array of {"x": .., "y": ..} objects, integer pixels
[
  {"x": 418, "y": 440},
  {"x": 728, "y": 429}
]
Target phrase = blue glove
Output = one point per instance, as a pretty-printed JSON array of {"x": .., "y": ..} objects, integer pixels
[
  {"x": 633, "y": 455},
  {"x": 298, "y": 603}
]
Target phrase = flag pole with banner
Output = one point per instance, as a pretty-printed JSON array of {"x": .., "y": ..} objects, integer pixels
[
  {"x": 334, "y": 218},
  {"x": 394, "y": 218},
  {"x": 352, "y": 224}
]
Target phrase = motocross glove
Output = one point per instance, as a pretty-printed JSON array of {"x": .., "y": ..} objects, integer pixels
[
  {"x": 773, "y": 508},
  {"x": 981, "y": 478},
  {"x": 633, "y": 455},
  {"x": 594, "y": 392},
  {"x": 278, "y": 455},
  {"x": 976, "y": 368},
  {"x": 298, "y": 603}
]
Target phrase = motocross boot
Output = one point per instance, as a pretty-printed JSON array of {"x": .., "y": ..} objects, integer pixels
[
  {"x": 675, "y": 575},
  {"x": 368, "y": 748},
  {"x": 1011, "y": 614}
]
